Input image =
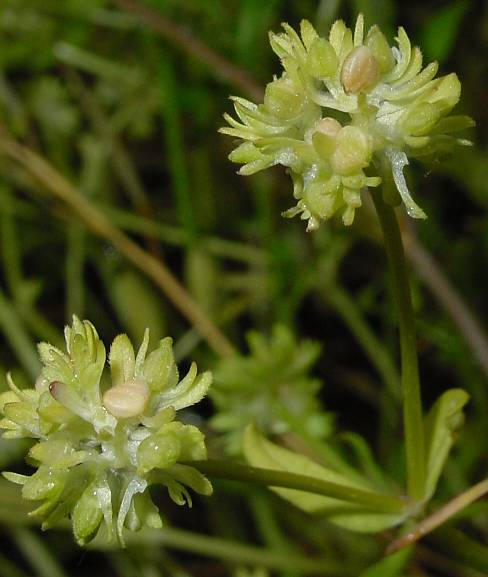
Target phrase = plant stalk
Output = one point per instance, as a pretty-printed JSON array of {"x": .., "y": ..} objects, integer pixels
[
  {"x": 412, "y": 403},
  {"x": 377, "y": 502},
  {"x": 440, "y": 516}
]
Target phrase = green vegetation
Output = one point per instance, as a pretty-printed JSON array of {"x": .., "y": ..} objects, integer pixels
[{"x": 347, "y": 412}]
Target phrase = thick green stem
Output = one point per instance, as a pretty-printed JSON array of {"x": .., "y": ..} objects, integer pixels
[
  {"x": 377, "y": 502},
  {"x": 412, "y": 403}
]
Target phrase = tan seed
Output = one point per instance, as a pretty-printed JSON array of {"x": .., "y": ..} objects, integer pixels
[
  {"x": 126, "y": 399},
  {"x": 360, "y": 70},
  {"x": 329, "y": 126}
]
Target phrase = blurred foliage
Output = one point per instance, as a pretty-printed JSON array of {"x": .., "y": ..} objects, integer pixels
[{"x": 127, "y": 110}]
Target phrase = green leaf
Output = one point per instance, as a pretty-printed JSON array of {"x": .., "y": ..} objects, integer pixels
[
  {"x": 380, "y": 12},
  {"x": 56, "y": 364},
  {"x": 57, "y": 453},
  {"x": 16, "y": 477},
  {"x": 25, "y": 415},
  {"x": 45, "y": 483},
  {"x": 391, "y": 566},
  {"x": 442, "y": 425},
  {"x": 439, "y": 34},
  {"x": 146, "y": 511},
  {"x": 260, "y": 452},
  {"x": 189, "y": 391},
  {"x": 194, "y": 479},
  {"x": 87, "y": 516},
  {"x": 160, "y": 370},
  {"x": 122, "y": 360},
  {"x": 138, "y": 305}
]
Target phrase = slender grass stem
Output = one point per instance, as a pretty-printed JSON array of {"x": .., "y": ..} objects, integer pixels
[
  {"x": 272, "y": 478},
  {"x": 177, "y": 236},
  {"x": 175, "y": 147},
  {"x": 18, "y": 337},
  {"x": 10, "y": 247},
  {"x": 412, "y": 403},
  {"x": 74, "y": 264},
  {"x": 8, "y": 569},
  {"x": 39, "y": 556},
  {"x": 449, "y": 297},
  {"x": 98, "y": 223},
  {"x": 441, "y": 516},
  {"x": 348, "y": 310},
  {"x": 236, "y": 552},
  {"x": 193, "y": 47}
]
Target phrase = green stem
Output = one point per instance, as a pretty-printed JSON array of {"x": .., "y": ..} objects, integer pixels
[
  {"x": 377, "y": 502},
  {"x": 178, "y": 236},
  {"x": 234, "y": 552},
  {"x": 8, "y": 569},
  {"x": 186, "y": 541},
  {"x": 38, "y": 555},
  {"x": 175, "y": 148},
  {"x": 74, "y": 265},
  {"x": 18, "y": 337},
  {"x": 412, "y": 403}
]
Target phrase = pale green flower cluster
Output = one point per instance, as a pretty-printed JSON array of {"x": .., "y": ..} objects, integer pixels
[
  {"x": 99, "y": 448},
  {"x": 345, "y": 113},
  {"x": 270, "y": 387}
]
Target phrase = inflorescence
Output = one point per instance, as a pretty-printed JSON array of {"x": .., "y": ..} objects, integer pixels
[
  {"x": 99, "y": 448},
  {"x": 346, "y": 113}
]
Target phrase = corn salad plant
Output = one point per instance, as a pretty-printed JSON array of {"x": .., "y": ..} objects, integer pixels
[{"x": 283, "y": 439}]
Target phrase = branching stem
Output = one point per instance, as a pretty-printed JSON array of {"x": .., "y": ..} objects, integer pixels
[{"x": 440, "y": 516}]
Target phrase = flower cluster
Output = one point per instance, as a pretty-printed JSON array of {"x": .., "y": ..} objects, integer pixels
[
  {"x": 271, "y": 387},
  {"x": 345, "y": 113},
  {"x": 99, "y": 448}
]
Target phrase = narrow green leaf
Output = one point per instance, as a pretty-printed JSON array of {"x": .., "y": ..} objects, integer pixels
[
  {"x": 260, "y": 452},
  {"x": 391, "y": 566},
  {"x": 122, "y": 360},
  {"x": 442, "y": 425},
  {"x": 440, "y": 32}
]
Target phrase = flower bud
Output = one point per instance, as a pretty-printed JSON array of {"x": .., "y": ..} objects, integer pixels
[
  {"x": 380, "y": 49},
  {"x": 328, "y": 126},
  {"x": 352, "y": 152},
  {"x": 446, "y": 93},
  {"x": 322, "y": 60},
  {"x": 45, "y": 483},
  {"x": 160, "y": 451},
  {"x": 70, "y": 399},
  {"x": 245, "y": 153},
  {"x": 87, "y": 516},
  {"x": 322, "y": 199},
  {"x": 420, "y": 119},
  {"x": 126, "y": 399},
  {"x": 360, "y": 70},
  {"x": 283, "y": 100}
]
